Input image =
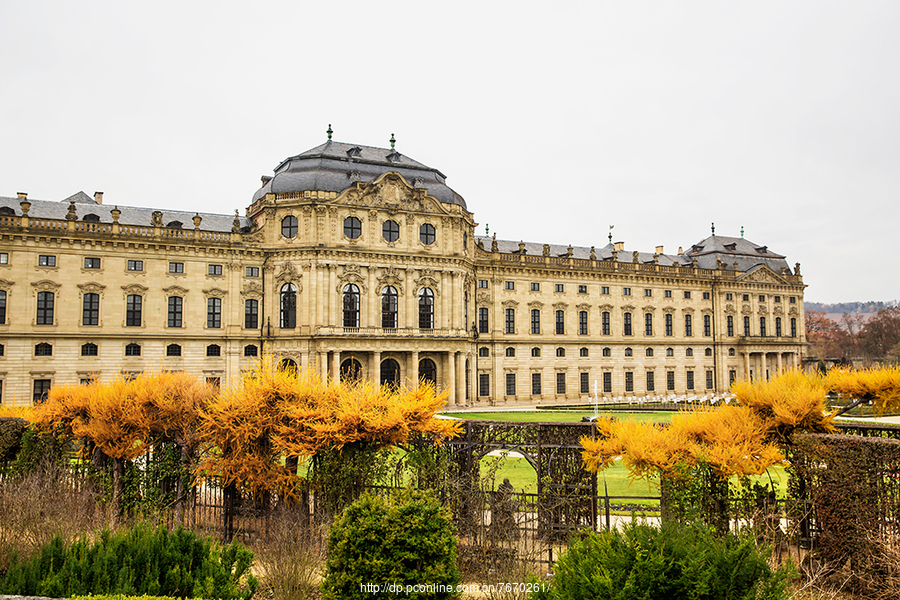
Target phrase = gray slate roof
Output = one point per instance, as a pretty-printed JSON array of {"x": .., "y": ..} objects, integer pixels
[
  {"x": 328, "y": 168},
  {"x": 602, "y": 253},
  {"x": 131, "y": 215},
  {"x": 732, "y": 250}
]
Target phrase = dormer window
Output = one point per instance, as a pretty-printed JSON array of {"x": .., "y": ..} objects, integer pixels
[
  {"x": 762, "y": 249},
  {"x": 174, "y": 224},
  {"x": 393, "y": 157},
  {"x": 91, "y": 217},
  {"x": 355, "y": 152},
  {"x": 7, "y": 212},
  {"x": 697, "y": 248},
  {"x": 731, "y": 247}
]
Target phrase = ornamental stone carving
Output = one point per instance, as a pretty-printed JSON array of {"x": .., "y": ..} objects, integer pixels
[
  {"x": 393, "y": 277},
  {"x": 252, "y": 290},
  {"x": 175, "y": 290},
  {"x": 510, "y": 304},
  {"x": 560, "y": 306},
  {"x": 215, "y": 293},
  {"x": 288, "y": 274},
  {"x": 45, "y": 285},
  {"x": 427, "y": 280},
  {"x": 352, "y": 275},
  {"x": 483, "y": 297}
]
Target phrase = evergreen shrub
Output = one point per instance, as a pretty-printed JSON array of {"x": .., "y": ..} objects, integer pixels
[
  {"x": 142, "y": 560},
  {"x": 676, "y": 560},
  {"x": 405, "y": 540}
]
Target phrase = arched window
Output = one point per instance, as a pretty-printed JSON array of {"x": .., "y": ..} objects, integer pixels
[
  {"x": 390, "y": 372},
  {"x": 510, "y": 351},
  {"x": 607, "y": 352},
  {"x": 174, "y": 225},
  {"x": 389, "y": 307},
  {"x": 89, "y": 349},
  {"x": 390, "y": 231},
  {"x": 707, "y": 352},
  {"x": 287, "y": 364},
  {"x": 351, "y": 370},
  {"x": 629, "y": 352},
  {"x": 351, "y": 305},
  {"x": 689, "y": 352},
  {"x": 428, "y": 371},
  {"x": 288, "y": 306},
  {"x": 535, "y": 352},
  {"x": 731, "y": 352},
  {"x": 584, "y": 352},
  {"x": 560, "y": 351},
  {"x": 352, "y": 228},
  {"x": 132, "y": 350},
  {"x": 91, "y": 217},
  {"x": 214, "y": 350},
  {"x": 649, "y": 352},
  {"x": 289, "y": 226},
  {"x": 426, "y": 309},
  {"x": 670, "y": 352},
  {"x": 483, "y": 351},
  {"x": 250, "y": 350},
  {"x": 173, "y": 350}
]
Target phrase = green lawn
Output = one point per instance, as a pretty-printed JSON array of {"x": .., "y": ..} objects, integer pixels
[{"x": 559, "y": 416}]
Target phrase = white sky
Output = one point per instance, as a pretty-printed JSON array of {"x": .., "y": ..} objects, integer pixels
[{"x": 552, "y": 120}]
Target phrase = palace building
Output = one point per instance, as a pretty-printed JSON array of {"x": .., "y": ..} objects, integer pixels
[{"x": 360, "y": 262}]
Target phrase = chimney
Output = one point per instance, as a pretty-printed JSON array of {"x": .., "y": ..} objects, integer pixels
[
  {"x": 680, "y": 251},
  {"x": 659, "y": 250},
  {"x": 22, "y": 195},
  {"x": 98, "y": 197},
  {"x": 620, "y": 245}
]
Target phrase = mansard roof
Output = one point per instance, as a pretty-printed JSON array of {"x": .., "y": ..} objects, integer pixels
[
  {"x": 730, "y": 250},
  {"x": 336, "y": 166},
  {"x": 131, "y": 215},
  {"x": 602, "y": 253}
]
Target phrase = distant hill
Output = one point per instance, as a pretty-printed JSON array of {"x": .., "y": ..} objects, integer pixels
[{"x": 849, "y": 307}]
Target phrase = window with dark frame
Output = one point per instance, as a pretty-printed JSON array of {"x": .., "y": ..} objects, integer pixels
[
  {"x": 89, "y": 349},
  {"x": 510, "y": 351},
  {"x": 176, "y": 311},
  {"x": 46, "y": 260},
  {"x": 426, "y": 309},
  {"x": 214, "y": 313},
  {"x": 44, "y": 315},
  {"x": 560, "y": 322},
  {"x": 582, "y": 289},
  {"x": 133, "y": 310},
  {"x": 627, "y": 328},
  {"x": 214, "y": 350},
  {"x": 687, "y": 295},
  {"x": 689, "y": 380},
  {"x": 648, "y": 324},
  {"x": 509, "y": 285},
  {"x": 670, "y": 381},
  {"x": 132, "y": 350},
  {"x": 484, "y": 384},
  {"x": 584, "y": 379},
  {"x": 762, "y": 326},
  {"x": 390, "y": 315},
  {"x": 173, "y": 350},
  {"x": 289, "y": 226},
  {"x": 41, "y": 390},
  {"x": 251, "y": 313},
  {"x": 535, "y": 321},
  {"x": 560, "y": 352},
  {"x": 747, "y": 326},
  {"x": 688, "y": 325},
  {"x": 651, "y": 383},
  {"x": 607, "y": 382},
  {"x": 288, "y": 306},
  {"x": 629, "y": 352},
  {"x": 606, "y": 352},
  {"x": 135, "y": 265},
  {"x": 535, "y": 352},
  {"x": 535, "y": 384},
  {"x": 390, "y": 231},
  {"x": 483, "y": 320},
  {"x": 707, "y": 325},
  {"x": 350, "y": 306},
  {"x": 582, "y": 322},
  {"x": 91, "y": 262},
  {"x": 535, "y": 287},
  {"x": 251, "y": 272},
  {"x": 510, "y": 320},
  {"x": 352, "y": 228},
  {"x": 604, "y": 323},
  {"x": 709, "y": 380},
  {"x": 629, "y": 381},
  {"x": 250, "y": 350},
  {"x": 730, "y": 326},
  {"x": 778, "y": 326},
  {"x": 560, "y": 384},
  {"x": 43, "y": 349},
  {"x": 604, "y": 289},
  {"x": 214, "y": 269},
  {"x": 583, "y": 352},
  {"x": 427, "y": 234},
  {"x": 668, "y": 324},
  {"x": 559, "y": 288},
  {"x": 176, "y": 267},
  {"x": 90, "y": 309},
  {"x": 510, "y": 384}
]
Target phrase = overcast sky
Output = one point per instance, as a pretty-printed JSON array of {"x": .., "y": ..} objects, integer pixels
[{"x": 553, "y": 120}]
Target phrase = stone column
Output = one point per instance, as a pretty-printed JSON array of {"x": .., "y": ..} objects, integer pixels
[
  {"x": 304, "y": 362},
  {"x": 409, "y": 317},
  {"x": 746, "y": 356},
  {"x": 778, "y": 358},
  {"x": 444, "y": 321},
  {"x": 320, "y": 316},
  {"x": 375, "y": 369},
  {"x": 369, "y": 318},
  {"x": 332, "y": 297},
  {"x": 460, "y": 396},
  {"x": 451, "y": 378},
  {"x": 323, "y": 365},
  {"x": 336, "y": 365},
  {"x": 413, "y": 369},
  {"x": 454, "y": 301}
]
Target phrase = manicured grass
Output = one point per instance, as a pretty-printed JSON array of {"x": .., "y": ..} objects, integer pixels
[{"x": 560, "y": 416}]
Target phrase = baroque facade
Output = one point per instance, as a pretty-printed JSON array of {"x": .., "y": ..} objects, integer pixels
[{"x": 362, "y": 262}]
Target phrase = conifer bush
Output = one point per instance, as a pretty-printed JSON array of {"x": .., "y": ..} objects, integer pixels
[
  {"x": 405, "y": 540},
  {"x": 676, "y": 560},
  {"x": 143, "y": 560}
]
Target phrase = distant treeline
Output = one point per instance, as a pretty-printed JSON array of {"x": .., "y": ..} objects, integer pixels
[{"x": 849, "y": 307}]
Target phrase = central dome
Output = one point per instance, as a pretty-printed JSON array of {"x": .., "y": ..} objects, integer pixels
[{"x": 336, "y": 166}]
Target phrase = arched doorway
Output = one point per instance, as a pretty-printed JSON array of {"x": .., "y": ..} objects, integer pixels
[
  {"x": 287, "y": 364},
  {"x": 428, "y": 371},
  {"x": 390, "y": 373},
  {"x": 351, "y": 370}
]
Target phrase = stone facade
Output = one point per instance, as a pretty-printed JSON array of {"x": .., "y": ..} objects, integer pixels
[{"x": 360, "y": 261}]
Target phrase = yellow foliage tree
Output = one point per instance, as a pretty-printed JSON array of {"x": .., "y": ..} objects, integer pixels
[{"x": 880, "y": 386}]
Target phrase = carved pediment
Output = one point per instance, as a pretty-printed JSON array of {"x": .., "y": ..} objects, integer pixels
[
  {"x": 583, "y": 306},
  {"x": 288, "y": 274},
  {"x": 668, "y": 310},
  {"x": 649, "y": 308},
  {"x": 393, "y": 193},
  {"x": 729, "y": 309},
  {"x": 91, "y": 288},
  {"x": 352, "y": 275},
  {"x": 483, "y": 297},
  {"x": 427, "y": 279},
  {"x": 687, "y": 311},
  {"x": 175, "y": 290},
  {"x": 606, "y": 307},
  {"x": 762, "y": 274},
  {"x": 628, "y": 308},
  {"x": 536, "y": 304},
  {"x": 793, "y": 310},
  {"x": 392, "y": 277},
  {"x": 510, "y": 304},
  {"x": 5, "y": 284},
  {"x": 45, "y": 285},
  {"x": 215, "y": 292},
  {"x": 560, "y": 306},
  {"x": 252, "y": 289},
  {"x": 135, "y": 288},
  {"x": 746, "y": 309},
  {"x": 778, "y": 310}
]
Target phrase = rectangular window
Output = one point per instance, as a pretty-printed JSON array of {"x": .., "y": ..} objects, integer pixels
[
  {"x": 762, "y": 298},
  {"x": 250, "y": 350},
  {"x": 707, "y": 325},
  {"x": 90, "y": 313},
  {"x": 667, "y": 294},
  {"x": 732, "y": 376},
  {"x": 604, "y": 323},
  {"x": 510, "y": 384},
  {"x": 690, "y": 379},
  {"x": 584, "y": 378},
  {"x": 778, "y": 326},
  {"x": 648, "y": 324},
  {"x": 629, "y": 381},
  {"x": 604, "y": 289},
  {"x": 482, "y": 284},
  {"x": 510, "y": 320},
  {"x": 4, "y": 258},
  {"x": 762, "y": 326},
  {"x": 251, "y": 272},
  {"x": 214, "y": 269},
  {"x": 2, "y": 307},
  {"x": 535, "y": 287},
  {"x": 46, "y": 260},
  {"x": 626, "y": 291},
  {"x": 176, "y": 304},
  {"x": 484, "y": 384},
  {"x": 668, "y": 324},
  {"x": 176, "y": 267},
  {"x": 730, "y": 327},
  {"x": 627, "y": 324},
  {"x": 793, "y": 327},
  {"x": 135, "y": 265},
  {"x": 747, "y": 326},
  {"x": 582, "y": 322},
  {"x": 792, "y": 300},
  {"x": 91, "y": 262},
  {"x": 560, "y": 384},
  {"x": 214, "y": 312},
  {"x": 509, "y": 285},
  {"x": 560, "y": 322},
  {"x": 559, "y": 288},
  {"x": 41, "y": 389},
  {"x": 251, "y": 314},
  {"x": 44, "y": 315},
  {"x": 483, "y": 320},
  {"x": 709, "y": 380},
  {"x": 670, "y": 380},
  {"x": 687, "y": 295},
  {"x": 582, "y": 289},
  {"x": 535, "y": 321},
  {"x": 535, "y": 384},
  {"x": 729, "y": 296},
  {"x": 688, "y": 325},
  {"x": 607, "y": 382},
  {"x": 648, "y": 292},
  {"x": 651, "y": 382},
  {"x": 706, "y": 295},
  {"x": 746, "y": 297},
  {"x": 777, "y": 299},
  {"x": 133, "y": 310}
]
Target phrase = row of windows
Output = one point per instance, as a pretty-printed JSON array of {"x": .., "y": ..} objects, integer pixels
[
  {"x": 91, "y": 262},
  {"x": 91, "y": 349},
  {"x": 560, "y": 323},
  {"x": 350, "y": 307},
  {"x": 583, "y": 352},
  {"x": 761, "y": 297},
  {"x": 561, "y": 381},
  {"x": 390, "y": 230},
  {"x": 763, "y": 331}
]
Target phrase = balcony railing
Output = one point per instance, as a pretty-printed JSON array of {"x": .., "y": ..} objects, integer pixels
[{"x": 390, "y": 332}]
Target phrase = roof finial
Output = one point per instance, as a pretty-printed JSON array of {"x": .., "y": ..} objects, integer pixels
[
  {"x": 610, "y": 233},
  {"x": 714, "y": 229},
  {"x": 393, "y": 141},
  {"x": 487, "y": 229},
  {"x": 742, "y": 231},
  {"x": 329, "y": 132}
]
